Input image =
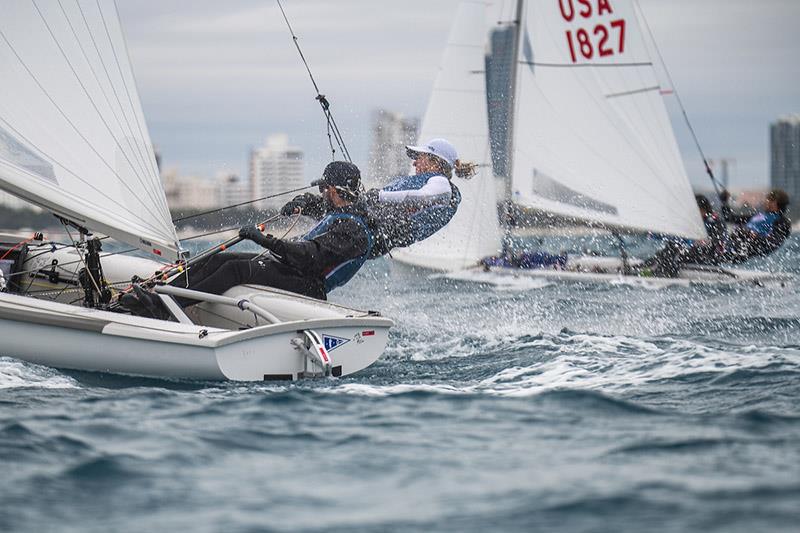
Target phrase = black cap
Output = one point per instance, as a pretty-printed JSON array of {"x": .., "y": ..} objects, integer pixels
[{"x": 342, "y": 175}]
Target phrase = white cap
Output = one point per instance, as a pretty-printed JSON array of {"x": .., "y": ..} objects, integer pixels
[{"x": 438, "y": 147}]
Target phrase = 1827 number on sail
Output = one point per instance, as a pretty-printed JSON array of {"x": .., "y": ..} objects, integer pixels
[{"x": 598, "y": 40}]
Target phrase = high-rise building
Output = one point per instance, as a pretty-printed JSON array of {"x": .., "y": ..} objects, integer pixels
[
  {"x": 276, "y": 167},
  {"x": 499, "y": 68},
  {"x": 233, "y": 190},
  {"x": 188, "y": 193},
  {"x": 784, "y": 140},
  {"x": 391, "y": 133}
]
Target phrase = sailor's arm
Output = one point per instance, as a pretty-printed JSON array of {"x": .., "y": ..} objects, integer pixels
[
  {"x": 343, "y": 241},
  {"x": 436, "y": 190}
]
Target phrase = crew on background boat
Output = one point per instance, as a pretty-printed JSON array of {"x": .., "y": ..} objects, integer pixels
[
  {"x": 410, "y": 208},
  {"x": 757, "y": 235},
  {"x": 325, "y": 258},
  {"x": 539, "y": 259}
]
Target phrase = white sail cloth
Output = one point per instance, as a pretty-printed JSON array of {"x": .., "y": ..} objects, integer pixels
[
  {"x": 73, "y": 138},
  {"x": 592, "y": 138},
  {"x": 457, "y": 112}
]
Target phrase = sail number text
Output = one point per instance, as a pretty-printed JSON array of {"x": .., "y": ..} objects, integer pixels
[{"x": 601, "y": 40}]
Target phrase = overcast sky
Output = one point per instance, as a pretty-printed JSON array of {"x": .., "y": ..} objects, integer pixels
[{"x": 216, "y": 78}]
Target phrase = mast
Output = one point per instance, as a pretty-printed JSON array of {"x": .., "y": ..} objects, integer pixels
[{"x": 512, "y": 106}]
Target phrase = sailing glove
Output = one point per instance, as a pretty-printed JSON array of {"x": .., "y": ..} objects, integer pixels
[
  {"x": 310, "y": 204},
  {"x": 291, "y": 207},
  {"x": 252, "y": 233}
]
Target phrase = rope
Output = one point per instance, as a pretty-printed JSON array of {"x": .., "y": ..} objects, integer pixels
[
  {"x": 218, "y": 210},
  {"x": 20, "y": 243},
  {"x": 333, "y": 129}
]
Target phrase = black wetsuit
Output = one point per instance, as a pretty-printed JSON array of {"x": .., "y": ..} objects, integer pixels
[{"x": 302, "y": 266}]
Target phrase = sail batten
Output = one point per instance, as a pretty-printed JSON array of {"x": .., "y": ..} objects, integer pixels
[{"x": 73, "y": 138}]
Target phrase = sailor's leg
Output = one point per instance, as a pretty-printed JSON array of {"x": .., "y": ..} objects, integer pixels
[
  {"x": 229, "y": 273},
  {"x": 200, "y": 271},
  {"x": 271, "y": 273}
]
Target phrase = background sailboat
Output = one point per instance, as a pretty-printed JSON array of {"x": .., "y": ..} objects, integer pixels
[{"x": 591, "y": 136}]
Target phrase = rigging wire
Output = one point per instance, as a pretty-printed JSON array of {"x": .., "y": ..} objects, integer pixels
[
  {"x": 709, "y": 171},
  {"x": 333, "y": 128},
  {"x": 220, "y": 209}
]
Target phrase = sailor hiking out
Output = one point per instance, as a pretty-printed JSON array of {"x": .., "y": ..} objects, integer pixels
[
  {"x": 410, "y": 208},
  {"x": 757, "y": 235},
  {"x": 325, "y": 258}
]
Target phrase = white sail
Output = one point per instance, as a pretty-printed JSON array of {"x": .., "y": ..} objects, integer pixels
[
  {"x": 73, "y": 139},
  {"x": 591, "y": 136},
  {"x": 457, "y": 112}
]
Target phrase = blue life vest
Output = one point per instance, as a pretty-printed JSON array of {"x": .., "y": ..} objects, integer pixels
[
  {"x": 343, "y": 272},
  {"x": 762, "y": 223},
  {"x": 429, "y": 219}
]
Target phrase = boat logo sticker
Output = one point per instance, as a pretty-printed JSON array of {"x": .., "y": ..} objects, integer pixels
[{"x": 331, "y": 343}]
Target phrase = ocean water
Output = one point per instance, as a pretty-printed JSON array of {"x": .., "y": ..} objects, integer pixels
[{"x": 518, "y": 406}]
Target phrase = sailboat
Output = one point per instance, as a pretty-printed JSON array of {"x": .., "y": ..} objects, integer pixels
[
  {"x": 73, "y": 140},
  {"x": 589, "y": 138}
]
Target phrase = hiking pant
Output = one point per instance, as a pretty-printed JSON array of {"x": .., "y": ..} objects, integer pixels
[{"x": 224, "y": 270}]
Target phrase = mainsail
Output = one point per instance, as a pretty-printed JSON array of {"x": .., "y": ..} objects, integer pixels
[
  {"x": 457, "y": 112},
  {"x": 591, "y": 136},
  {"x": 73, "y": 138}
]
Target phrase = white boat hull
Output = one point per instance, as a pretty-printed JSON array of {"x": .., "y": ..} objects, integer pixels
[
  {"x": 219, "y": 342},
  {"x": 600, "y": 269},
  {"x": 69, "y": 337}
]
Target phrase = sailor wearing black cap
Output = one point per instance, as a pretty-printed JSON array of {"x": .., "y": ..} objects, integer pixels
[{"x": 326, "y": 257}]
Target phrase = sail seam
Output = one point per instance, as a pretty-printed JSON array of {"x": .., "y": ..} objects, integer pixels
[
  {"x": 134, "y": 148},
  {"x": 150, "y": 157},
  {"x": 102, "y": 119},
  {"x": 140, "y": 169}
]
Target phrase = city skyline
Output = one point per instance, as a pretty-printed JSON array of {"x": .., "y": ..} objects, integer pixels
[{"x": 216, "y": 81}]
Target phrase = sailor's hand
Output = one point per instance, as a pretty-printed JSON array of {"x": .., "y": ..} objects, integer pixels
[
  {"x": 251, "y": 233},
  {"x": 291, "y": 208},
  {"x": 724, "y": 196},
  {"x": 299, "y": 203}
]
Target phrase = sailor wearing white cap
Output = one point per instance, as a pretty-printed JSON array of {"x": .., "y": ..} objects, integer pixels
[
  {"x": 412, "y": 208},
  {"x": 434, "y": 163}
]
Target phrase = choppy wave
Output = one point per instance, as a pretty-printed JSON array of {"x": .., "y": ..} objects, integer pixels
[
  {"x": 563, "y": 407},
  {"x": 16, "y": 374}
]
